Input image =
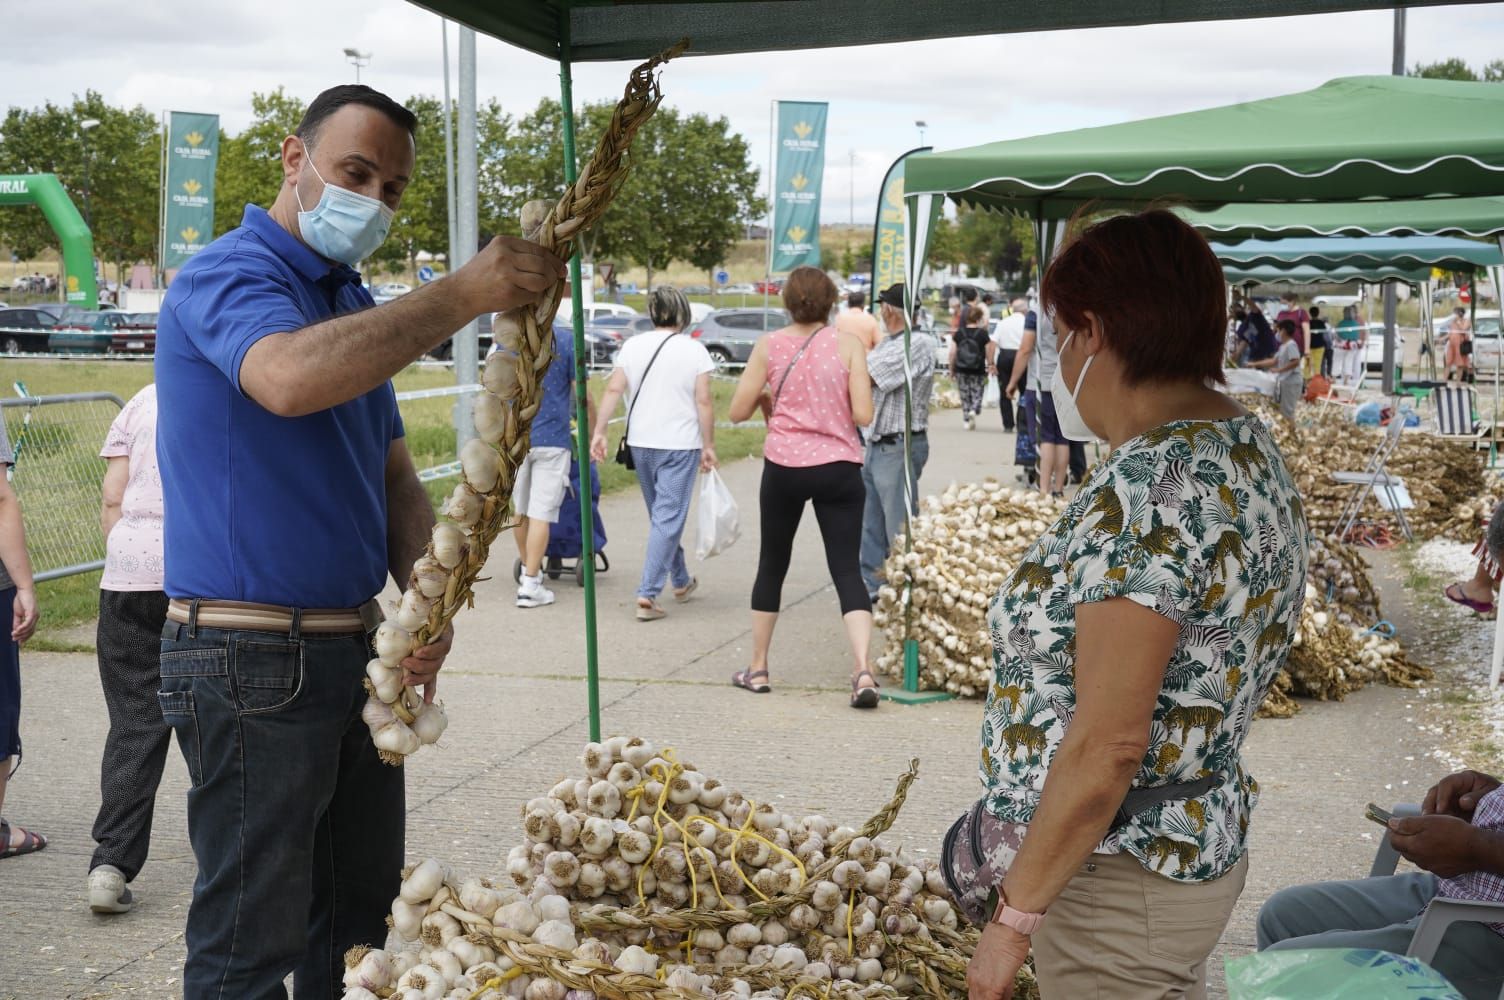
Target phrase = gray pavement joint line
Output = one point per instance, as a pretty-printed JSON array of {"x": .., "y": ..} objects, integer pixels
[{"x": 100, "y": 981}]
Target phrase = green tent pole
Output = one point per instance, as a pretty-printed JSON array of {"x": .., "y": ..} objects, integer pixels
[
  {"x": 910, "y": 644},
  {"x": 581, "y": 396}
]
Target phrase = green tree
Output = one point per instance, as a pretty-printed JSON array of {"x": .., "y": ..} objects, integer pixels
[
  {"x": 999, "y": 245},
  {"x": 687, "y": 197},
  {"x": 1446, "y": 69},
  {"x": 110, "y": 171},
  {"x": 250, "y": 164},
  {"x": 1494, "y": 71},
  {"x": 422, "y": 222}
]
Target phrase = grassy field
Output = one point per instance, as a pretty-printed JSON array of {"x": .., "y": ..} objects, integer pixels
[{"x": 70, "y": 604}]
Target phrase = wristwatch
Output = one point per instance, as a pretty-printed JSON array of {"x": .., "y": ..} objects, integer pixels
[{"x": 1024, "y": 923}]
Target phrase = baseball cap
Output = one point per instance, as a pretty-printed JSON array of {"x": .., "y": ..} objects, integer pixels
[{"x": 892, "y": 295}]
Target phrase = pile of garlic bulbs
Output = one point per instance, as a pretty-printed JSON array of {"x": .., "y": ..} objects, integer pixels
[
  {"x": 965, "y": 543},
  {"x": 644, "y": 877},
  {"x": 1437, "y": 471},
  {"x": 480, "y": 507}
]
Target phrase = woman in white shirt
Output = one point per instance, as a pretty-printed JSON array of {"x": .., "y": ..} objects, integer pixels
[{"x": 671, "y": 433}]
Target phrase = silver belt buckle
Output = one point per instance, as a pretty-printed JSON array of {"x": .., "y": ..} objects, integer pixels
[{"x": 371, "y": 616}]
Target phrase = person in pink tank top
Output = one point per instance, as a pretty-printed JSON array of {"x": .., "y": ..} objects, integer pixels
[{"x": 810, "y": 381}]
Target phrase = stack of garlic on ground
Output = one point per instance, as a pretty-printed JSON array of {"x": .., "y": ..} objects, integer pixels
[
  {"x": 965, "y": 543},
  {"x": 646, "y": 878}
]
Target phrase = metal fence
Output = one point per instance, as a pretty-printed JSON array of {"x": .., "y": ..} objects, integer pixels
[{"x": 58, "y": 476}]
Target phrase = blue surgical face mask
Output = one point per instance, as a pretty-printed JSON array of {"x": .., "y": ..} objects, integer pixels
[{"x": 344, "y": 225}]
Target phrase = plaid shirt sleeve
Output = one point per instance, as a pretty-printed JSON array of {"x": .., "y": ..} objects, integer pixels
[
  {"x": 1482, "y": 886},
  {"x": 885, "y": 364}
]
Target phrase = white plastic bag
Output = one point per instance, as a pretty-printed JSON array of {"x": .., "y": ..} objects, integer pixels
[{"x": 719, "y": 522}]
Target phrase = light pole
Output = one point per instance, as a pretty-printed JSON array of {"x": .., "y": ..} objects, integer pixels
[
  {"x": 921, "y": 126},
  {"x": 357, "y": 59},
  {"x": 851, "y": 185},
  {"x": 83, "y": 129}
]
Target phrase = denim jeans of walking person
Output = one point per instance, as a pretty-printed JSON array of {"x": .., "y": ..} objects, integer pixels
[
  {"x": 296, "y": 825},
  {"x": 667, "y": 478},
  {"x": 885, "y": 513}
]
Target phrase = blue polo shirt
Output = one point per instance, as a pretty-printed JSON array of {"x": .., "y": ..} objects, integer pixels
[{"x": 262, "y": 508}]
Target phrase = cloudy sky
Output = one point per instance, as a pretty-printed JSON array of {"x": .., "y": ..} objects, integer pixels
[{"x": 199, "y": 56}]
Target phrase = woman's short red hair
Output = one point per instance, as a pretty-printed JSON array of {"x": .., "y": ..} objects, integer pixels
[
  {"x": 809, "y": 295},
  {"x": 1155, "y": 286}
]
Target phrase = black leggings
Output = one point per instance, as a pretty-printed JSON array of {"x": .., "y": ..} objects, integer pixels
[{"x": 838, "y": 496}]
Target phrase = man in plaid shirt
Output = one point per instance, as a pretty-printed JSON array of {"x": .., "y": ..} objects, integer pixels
[{"x": 1458, "y": 841}]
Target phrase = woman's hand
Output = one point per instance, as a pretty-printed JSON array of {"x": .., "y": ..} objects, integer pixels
[
  {"x": 708, "y": 460},
  {"x": 598, "y": 446},
  {"x": 1000, "y": 954}
]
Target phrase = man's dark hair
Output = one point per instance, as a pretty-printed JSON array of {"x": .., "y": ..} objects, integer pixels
[
  {"x": 335, "y": 98},
  {"x": 856, "y": 300},
  {"x": 1315, "y": 312}
]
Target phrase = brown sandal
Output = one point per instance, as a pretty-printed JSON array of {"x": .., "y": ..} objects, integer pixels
[
  {"x": 30, "y": 842},
  {"x": 864, "y": 697},
  {"x": 649, "y": 612}
]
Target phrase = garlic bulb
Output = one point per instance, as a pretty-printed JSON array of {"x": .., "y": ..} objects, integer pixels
[
  {"x": 426, "y": 980},
  {"x": 556, "y": 934},
  {"x": 423, "y": 882},
  {"x": 635, "y": 960},
  {"x": 489, "y": 415},
  {"x": 393, "y": 643},
  {"x": 481, "y": 465},
  {"x": 412, "y": 612},
  {"x": 429, "y": 577},
  {"x": 463, "y": 506},
  {"x": 430, "y": 722},
  {"x": 448, "y": 544},
  {"x": 396, "y": 738},
  {"x": 500, "y": 375},
  {"x": 377, "y": 713},
  {"x": 533, "y": 215}
]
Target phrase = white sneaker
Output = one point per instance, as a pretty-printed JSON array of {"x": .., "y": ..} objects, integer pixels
[
  {"x": 108, "y": 892},
  {"x": 532, "y": 594}
]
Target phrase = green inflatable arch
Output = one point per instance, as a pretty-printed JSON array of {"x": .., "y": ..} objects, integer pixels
[{"x": 46, "y": 192}]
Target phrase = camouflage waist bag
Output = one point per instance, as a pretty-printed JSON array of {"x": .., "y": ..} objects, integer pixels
[{"x": 979, "y": 848}]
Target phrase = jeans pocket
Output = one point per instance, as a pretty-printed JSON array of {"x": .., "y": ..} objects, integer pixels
[
  {"x": 267, "y": 676},
  {"x": 179, "y": 713}
]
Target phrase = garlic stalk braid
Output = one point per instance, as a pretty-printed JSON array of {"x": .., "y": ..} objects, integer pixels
[{"x": 444, "y": 576}]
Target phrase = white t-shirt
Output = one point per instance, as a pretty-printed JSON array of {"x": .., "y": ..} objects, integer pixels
[
  {"x": 666, "y": 415},
  {"x": 1008, "y": 335}
]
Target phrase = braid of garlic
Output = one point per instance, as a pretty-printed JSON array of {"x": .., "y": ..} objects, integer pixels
[{"x": 443, "y": 577}]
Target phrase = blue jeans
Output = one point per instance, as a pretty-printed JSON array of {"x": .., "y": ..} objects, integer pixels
[
  {"x": 667, "y": 477},
  {"x": 297, "y": 827},
  {"x": 885, "y": 515}
]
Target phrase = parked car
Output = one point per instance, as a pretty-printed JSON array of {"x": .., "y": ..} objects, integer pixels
[
  {"x": 136, "y": 335},
  {"x": 728, "y": 334},
  {"x": 85, "y": 332},
  {"x": 594, "y": 312},
  {"x": 772, "y": 287},
  {"x": 741, "y": 289},
  {"x": 60, "y": 311},
  {"x": 24, "y": 330},
  {"x": 696, "y": 289},
  {"x": 389, "y": 290},
  {"x": 621, "y": 328}
]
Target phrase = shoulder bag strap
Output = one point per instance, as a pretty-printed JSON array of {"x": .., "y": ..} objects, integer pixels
[
  {"x": 790, "y": 369},
  {"x": 642, "y": 382}
]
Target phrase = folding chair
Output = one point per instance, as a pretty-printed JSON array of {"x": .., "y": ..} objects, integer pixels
[
  {"x": 1440, "y": 913},
  {"x": 1340, "y": 395},
  {"x": 1455, "y": 408},
  {"x": 1387, "y": 489}
]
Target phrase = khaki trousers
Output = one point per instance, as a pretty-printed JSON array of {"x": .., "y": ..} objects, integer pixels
[{"x": 1121, "y": 932}]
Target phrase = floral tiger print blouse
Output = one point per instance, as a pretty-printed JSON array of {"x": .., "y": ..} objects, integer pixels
[{"x": 1201, "y": 522}]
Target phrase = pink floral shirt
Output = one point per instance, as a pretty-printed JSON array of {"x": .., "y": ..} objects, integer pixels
[{"x": 133, "y": 552}]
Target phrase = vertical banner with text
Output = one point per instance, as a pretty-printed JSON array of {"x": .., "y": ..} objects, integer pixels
[
  {"x": 188, "y": 201},
  {"x": 889, "y": 243},
  {"x": 799, "y": 146}
]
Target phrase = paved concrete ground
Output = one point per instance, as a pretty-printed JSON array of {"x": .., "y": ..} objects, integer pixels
[{"x": 517, "y": 703}]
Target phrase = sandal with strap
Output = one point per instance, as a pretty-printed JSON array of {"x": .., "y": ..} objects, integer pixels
[
  {"x": 748, "y": 679},
  {"x": 864, "y": 697},
  {"x": 1459, "y": 597},
  {"x": 682, "y": 596},
  {"x": 649, "y": 612},
  {"x": 30, "y": 843}
]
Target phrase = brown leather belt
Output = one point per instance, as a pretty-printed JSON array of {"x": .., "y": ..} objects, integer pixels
[{"x": 248, "y": 617}]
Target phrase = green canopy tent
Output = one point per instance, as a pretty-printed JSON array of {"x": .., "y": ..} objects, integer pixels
[
  {"x": 571, "y": 30},
  {"x": 1399, "y": 252},
  {"x": 1305, "y": 274},
  {"x": 595, "y": 30},
  {"x": 1473, "y": 217}
]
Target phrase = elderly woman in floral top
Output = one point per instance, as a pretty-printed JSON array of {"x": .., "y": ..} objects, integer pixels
[{"x": 1137, "y": 637}]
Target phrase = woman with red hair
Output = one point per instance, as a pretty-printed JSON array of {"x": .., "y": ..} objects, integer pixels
[{"x": 1136, "y": 639}]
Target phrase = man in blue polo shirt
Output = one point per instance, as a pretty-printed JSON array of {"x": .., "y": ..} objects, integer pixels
[{"x": 289, "y": 498}]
